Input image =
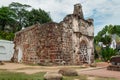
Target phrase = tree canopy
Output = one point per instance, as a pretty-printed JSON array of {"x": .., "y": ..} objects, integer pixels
[
  {"x": 106, "y": 33},
  {"x": 6, "y": 17},
  {"x": 105, "y": 36},
  {"x": 17, "y": 15}
]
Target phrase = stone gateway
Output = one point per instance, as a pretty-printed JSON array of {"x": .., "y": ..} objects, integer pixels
[{"x": 68, "y": 42}]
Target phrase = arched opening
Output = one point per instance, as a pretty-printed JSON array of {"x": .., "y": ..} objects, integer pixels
[
  {"x": 83, "y": 52},
  {"x": 20, "y": 54}
]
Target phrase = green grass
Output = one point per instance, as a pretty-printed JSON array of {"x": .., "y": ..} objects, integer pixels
[{"x": 5, "y": 75}]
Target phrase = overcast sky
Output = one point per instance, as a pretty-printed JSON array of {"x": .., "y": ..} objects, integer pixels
[{"x": 104, "y": 12}]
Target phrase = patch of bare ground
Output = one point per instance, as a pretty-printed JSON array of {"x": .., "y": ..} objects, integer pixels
[
  {"x": 94, "y": 71},
  {"x": 28, "y": 69},
  {"x": 103, "y": 72}
]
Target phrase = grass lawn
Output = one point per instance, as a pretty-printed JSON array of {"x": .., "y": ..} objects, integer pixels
[{"x": 5, "y": 75}]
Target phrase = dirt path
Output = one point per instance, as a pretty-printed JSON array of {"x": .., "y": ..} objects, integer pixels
[
  {"x": 102, "y": 73},
  {"x": 14, "y": 67}
]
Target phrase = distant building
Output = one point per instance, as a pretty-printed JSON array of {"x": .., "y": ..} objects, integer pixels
[
  {"x": 100, "y": 44},
  {"x": 6, "y": 50},
  {"x": 113, "y": 43},
  {"x": 70, "y": 41}
]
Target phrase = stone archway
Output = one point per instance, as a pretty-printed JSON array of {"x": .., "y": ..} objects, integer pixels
[
  {"x": 20, "y": 54},
  {"x": 83, "y": 52}
]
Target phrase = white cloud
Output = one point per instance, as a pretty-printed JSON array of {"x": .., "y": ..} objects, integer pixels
[
  {"x": 104, "y": 12},
  {"x": 57, "y": 8}
]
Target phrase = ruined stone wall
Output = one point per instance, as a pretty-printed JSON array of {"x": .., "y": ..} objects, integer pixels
[
  {"x": 67, "y": 47},
  {"x": 26, "y": 42},
  {"x": 50, "y": 39},
  {"x": 70, "y": 41},
  {"x": 76, "y": 29},
  {"x": 39, "y": 44}
]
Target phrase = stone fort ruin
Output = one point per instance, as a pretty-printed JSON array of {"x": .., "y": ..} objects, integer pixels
[{"x": 70, "y": 41}]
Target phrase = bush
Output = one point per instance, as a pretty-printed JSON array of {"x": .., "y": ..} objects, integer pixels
[
  {"x": 107, "y": 53},
  {"x": 6, "y": 35}
]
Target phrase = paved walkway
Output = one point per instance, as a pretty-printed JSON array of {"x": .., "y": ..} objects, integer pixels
[{"x": 103, "y": 72}]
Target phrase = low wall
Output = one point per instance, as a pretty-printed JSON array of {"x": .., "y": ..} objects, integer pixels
[{"x": 6, "y": 50}]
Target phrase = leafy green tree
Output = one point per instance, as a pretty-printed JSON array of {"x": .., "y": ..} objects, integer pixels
[
  {"x": 105, "y": 36},
  {"x": 110, "y": 29},
  {"x": 117, "y": 39},
  {"x": 17, "y": 15},
  {"x": 27, "y": 17},
  {"x": 6, "y": 17},
  {"x": 117, "y": 29},
  {"x": 106, "y": 40},
  {"x": 21, "y": 11},
  {"x": 38, "y": 15},
  {"x": 97, "y": 39}
]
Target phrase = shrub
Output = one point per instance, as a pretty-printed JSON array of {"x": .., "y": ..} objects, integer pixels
[
  {"x": 6, "y": 35},
  {"x": 107, "y": 53}
]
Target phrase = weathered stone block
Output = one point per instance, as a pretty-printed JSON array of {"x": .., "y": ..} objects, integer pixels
[
  {"x": 53, "y": 76},
  {"x": 68, "y": 72}
]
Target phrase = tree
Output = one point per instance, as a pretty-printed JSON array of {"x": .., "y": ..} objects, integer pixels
[
  {"x": 110, "y": 29},
  {"x": 117, "y": 39},
  {"x": 21, "y": 11},
  {"x": 117, "y": 30},
  {"x": 106, "y": 40},
  {"x": 27, "y": 17},
  {"x": 105, "y": 36},
  {"x": 38, "y": 15},
  {"x": 16, "y": 15},
  {"x": 6, "y": 17}
]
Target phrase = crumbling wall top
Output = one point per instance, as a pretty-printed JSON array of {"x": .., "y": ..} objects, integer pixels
[{"x": 78, "y": 10}]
